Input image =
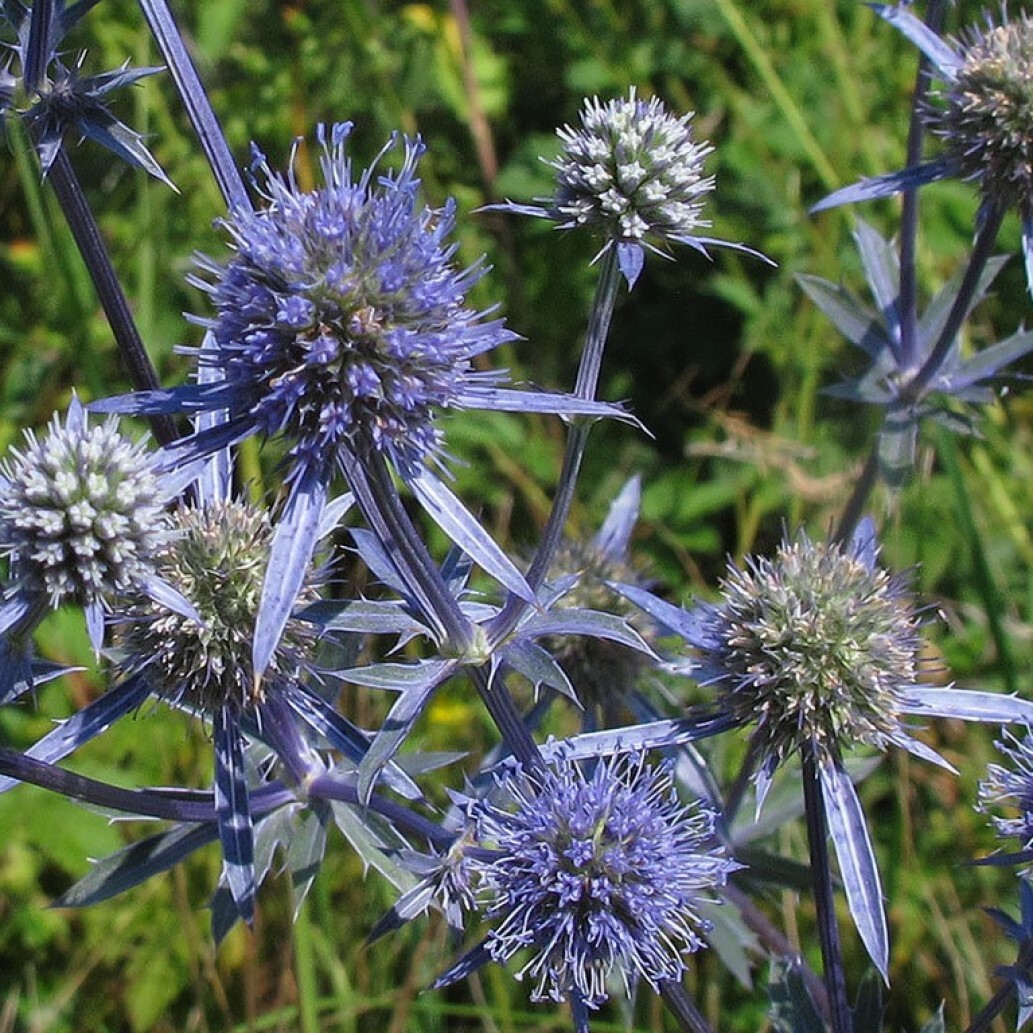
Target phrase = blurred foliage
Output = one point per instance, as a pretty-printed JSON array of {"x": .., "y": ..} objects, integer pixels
[{"x": 724, "y": 361}]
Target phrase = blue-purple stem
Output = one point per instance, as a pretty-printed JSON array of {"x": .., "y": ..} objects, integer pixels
[
  {"x": 908, "y": 301},
  {"x": 37, "y": 51},
  {"x": 187, "y": 806},
  {"x": 394, "y": 521},
  {"x": 986, "y": 238},
  {"x": 737, "y": 792},
  {"x": 199, "y": 109},
  {"x": 88, "y": 239},
  {"x": 280, "y": 730},
  {"x": 854, "y": 509},
  {"x": 908, "y": 297},
  {"x": 326, "y": 787},
  {"x": 585, "y": 387},
  {"x": 681, "y": 1005},
  {"x": 199, "y": 807},
  {"x": 390, "y": 520},
  {"x": 821, "y": 876}
]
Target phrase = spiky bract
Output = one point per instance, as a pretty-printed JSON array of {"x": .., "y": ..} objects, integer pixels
[{"x": 602, "y": 671}]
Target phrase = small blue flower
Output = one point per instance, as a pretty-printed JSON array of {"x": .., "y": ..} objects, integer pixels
[
  {"x": 342, "y": 321},
  {"x": 597, "y": 874},
  {"x": 1011, "y": 784}
]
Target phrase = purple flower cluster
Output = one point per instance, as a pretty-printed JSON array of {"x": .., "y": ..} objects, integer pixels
[
  {"x": 342, "y": 321},
  {"x": 598, "y": 873}
]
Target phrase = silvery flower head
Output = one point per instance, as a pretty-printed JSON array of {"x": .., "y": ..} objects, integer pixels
[
  {"x": 814, "y": 645},
  {"x": 598, "y": 874},
  {"x": 987, "y": 118},
  {"x": 217, "y": 560},
  {"x": 633, "y": 173},
  {"x": 985, "y": 121},
  {"x": 819, "y": 645},
  {"x": 81, "y": 512}
]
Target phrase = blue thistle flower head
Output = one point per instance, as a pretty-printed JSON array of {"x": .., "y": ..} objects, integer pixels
[
  {"x": 342, "y": 322},
  {"x": 342, "y": 326},
  {"x": 598, "y": 874}
]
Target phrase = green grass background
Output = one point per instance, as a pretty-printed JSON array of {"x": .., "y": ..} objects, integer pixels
[{"x": 723, "y": 361}]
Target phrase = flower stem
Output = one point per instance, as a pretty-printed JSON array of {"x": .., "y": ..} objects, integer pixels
[
  {"x": 88, "y": 239},
  {"x": 577, "y": 439},
  {"x": 598, "y": 326},
  {"x": 909, "y": 212},
  {"x": 776, "y": 942},
  {"x": 733, "y": 801},
  {"x": 821, "y": 875},
  {"x": 281, "y": 731},
  {"x": 411, "y": 551},
  {"x": 681, "y": 1005},
  {"x": 38, "y": 49},
  {"x": 185, "y": 806},
  {"x": 992, "y": 215},
  {"x": 515, "y": 733},
  {"x": 854, "y": 508},
  {"x": 327, "y": 787},
  {"x": 213, "y": 142},
  {"x": 379, "y": 500}
]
